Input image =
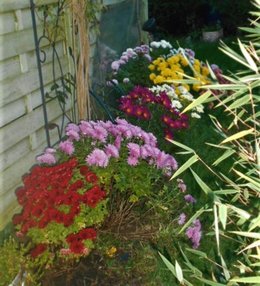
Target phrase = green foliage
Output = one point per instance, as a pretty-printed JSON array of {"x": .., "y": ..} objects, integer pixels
[
  {"x": 15, "y": 264},
  {"x": 233, "y": 201}
]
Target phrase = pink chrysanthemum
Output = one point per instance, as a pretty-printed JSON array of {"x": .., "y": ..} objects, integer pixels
[
  {"x": 97, "y": 158},
  {"x": 67, "y": 147}
]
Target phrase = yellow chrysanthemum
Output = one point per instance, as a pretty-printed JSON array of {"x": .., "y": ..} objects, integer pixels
[
  {"x": 196, "y": 62},
  {"x": 166, "y": 72},
  {"x": 159, "y": 79},
  {"x": 151, "y": 67},
  {"x": 162, "y": 65},
  {"x": 205, "y": 71},
  {"x": 152, "y": 76},
  {"x": 157, "y": 61},
  {"x": 184, "y": 62},
  {"x": 111, "y": 251},
  {"x": 196, "y": 87}
]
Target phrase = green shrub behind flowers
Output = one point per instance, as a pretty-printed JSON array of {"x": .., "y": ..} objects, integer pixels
[{"x": 77, "y": 186}]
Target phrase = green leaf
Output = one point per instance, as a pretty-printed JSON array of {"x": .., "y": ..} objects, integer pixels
[
  {"x": 254, "y": 182},
  {"x": 251, "y": 280},
  {"x": 255, "y": 235},
  {"x": 226, "y": 154},
  {"x": 179, "y": 273},
  {"x": 240, "y": 212},
  {"x": 222, "y": 212},
  {"x": 172, "y": 269},
  {"x": 252, "y": 64},
  {"x": 240, "y": 102},
  {"x": 181, "y": 145},
  {"x": 238, "y": 135},
  {"x": 209, "y": 282},
  {"x": 197, "y": 252},
  {"x": 197, "y": 101},
  {"x": 203, "y": 185},
  {"x": 185, "y": 166}
]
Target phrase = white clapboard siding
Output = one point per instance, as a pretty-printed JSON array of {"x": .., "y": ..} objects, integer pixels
[
  {"x": 15, "y": 88},
  {"x": 9, "y": 68},
  {"x": 7, "y": 23}
]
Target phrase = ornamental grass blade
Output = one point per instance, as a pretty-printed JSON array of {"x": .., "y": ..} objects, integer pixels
[
  {"x": 201, "y": 99},
  {"x": 185, "y": 166},
  {"x": 238, "y": 135},
  {"x": 226, "y": 155},
  {"x": 225, "y": 268},
  {"x": 201, "y": 183},
  {"x": 248, "y": 58},
  {"x": 247, "y": 280}
]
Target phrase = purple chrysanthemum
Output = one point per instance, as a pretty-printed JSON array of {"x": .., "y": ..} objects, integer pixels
[
  {"x": 132, "y": 161},
  {"x": 194, "y": 233},
  {"x": 112, "y": 151},
  {"x": 97, "y": 158},
  {"x": 181, "y": 185},
  {"x": 46, "y": 158},
  {"x": 190, "y": 199},
  {"x": 182, "y": 219},
  {"x": 67, "y": 147},
  {"x": 134, "y": 150}
]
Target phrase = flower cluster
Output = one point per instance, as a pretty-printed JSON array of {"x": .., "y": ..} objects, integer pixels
[
  {"x": 175, "y": 67},
  {"x": 193, "y": 232},
  {"x": 142, "y": 103},
  {"x": 119, "y": 153},
  {"x": 61, "y": 205}
]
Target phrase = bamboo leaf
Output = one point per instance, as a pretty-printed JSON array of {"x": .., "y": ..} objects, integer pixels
[
  {"x": 255, "y": 235},
  {"x": 226, "y": 154},
  {"x": 185, "y": 166},
  {"x": 252, "y": 64},
  {"x": 222, "y": 211},
  {"x": 181, "y": 145},
  {"x": 251, "y": 280},
  {"x": 254, "y": 182},
  {"x": 201, "y": 99},
  {"x": 179, "y": 273},
  {"x": 197, "y": 252},
  {"x": 216, "y": 227},
  {"x": 252, "y": 245},
  {"x": 203, "y": 185},
  {"x": 240, "y": 102},
  {"x": 209, "y": 282},
  {"x": 238, "y": 135},
  {"x": 225, "y": 269},
  {"x": 240, "y": 212},
  {"x": 172, "y": 269}
]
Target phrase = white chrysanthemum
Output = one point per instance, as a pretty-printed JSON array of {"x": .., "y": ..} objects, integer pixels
[
  {"x": 176, "y": 104},
  {"x": 199, "y": 108},
  {"x": 195, "y": 115}
]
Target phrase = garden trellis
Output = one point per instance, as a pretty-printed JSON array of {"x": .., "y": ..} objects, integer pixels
[{"x": 27, "y": 124}]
